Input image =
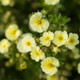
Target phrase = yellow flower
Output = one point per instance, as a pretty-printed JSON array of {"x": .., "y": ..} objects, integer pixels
[
  {"x": 12, "y": 32},
  {"x": 72, "y": 41},
  {"x": 46, "y": 38},
  {"x": 56, "y": 50},
  {"x": 51, "y": 2},
  {"x": 23, "y": 65},
  {"x": 60, "y": 38},
  {"x": 17, "y": 55},
  {"x": 20, "y": 47},
  {"x": 38, "y": 23},
  {"x": 7, "y": 2},
  {"x": 49, "y": 65},
  {"x": 4, "y": 46},
  {"x": 28, "y": 42},
  {"x": 52, "y": 77},
  {"x": 37, "y": 54},
  {"x": 78, "y": 68}
]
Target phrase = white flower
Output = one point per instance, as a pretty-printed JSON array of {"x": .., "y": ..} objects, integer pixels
[
  {"x": 12, "y": 32},
  {"x": 49, "y": 65},
  {"x": 38, "y": 23},
  {"x": 76, "y": 53},
  {"x": 78, "y": 68},
  {"x": 7, "y": 2},
  {"x": 46, "y": 38},
  {"x": 60, "y": 38},
  {"x": 28, "y": 42},
  {"x": 51, "y": 2},
  {"x": 52, "y": 77},
  {"x": 4, "y": 46},
  {"x": 37, "y": 54},
  {"x": 72, "y": 41},
  {"x": 20, "y": 47}
]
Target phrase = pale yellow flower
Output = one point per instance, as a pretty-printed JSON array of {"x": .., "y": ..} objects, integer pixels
[
  {"x": 28, "y": 42},
  {"x": 52, "y": 77},
  {"x": 60, "y": 38},
  {"x": 72, "y": 41},
  {"x": 76, "y": 53},
  {"x": 46, "y": 38},
  {"x": 4, "y": 45},
  {"x": 38, "y": 23},
  {"x": 49, "y": 65},
  {"x": 37, "y": 54},
  {"x": 56, "y": 50},
  {"x": 78, "y": 68},
  {"x": 7, "y": 2},
  {"x": 51, "y": 2},
  {"x": 12, "y": 32},
  {"x": 20, "y": 47}
]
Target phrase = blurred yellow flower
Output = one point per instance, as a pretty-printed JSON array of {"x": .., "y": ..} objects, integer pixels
[
  {"x": 7, "y": 2},
  {"x": 60, "y": 38},
  {"x": 52, "y": 77},
  {"x": 7, "y": 64},
  {"x": 12, "y": 32},
  {"x": 78, "y": 68},
  {"x": 37, "y": 54},
  {"x": 23, "y": 65},
  {"x": 51, "y": 2},
  {"x": 72, "y": 41},
  {"x": 38, "y": 23},
  {"x": 76, "y": 53},
  {"x": 4, "y": 45},
  {"x": 17, "y": 55},
  {"x": 11, "y": 60},
  {"x": 55, "y": 50},
  {"x": 28, "y": 42},
  {"x": 49, "y": 65},
  {"x": 46, "y": 38}
]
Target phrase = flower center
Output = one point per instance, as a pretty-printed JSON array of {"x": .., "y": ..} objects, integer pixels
[
  {"x": 60, "y": 38},
  {"x": 37, "y": 53},
  {"x": 13, "y": 32},
  {"x": 28, "y": 43},
  {"x": 72, "y": 41},
  {"x": 4, "y": 46},
  {"x": 39, "y": 22},
  {"x": 47, "y": 38},
  {"x": 50, "y": 65}
]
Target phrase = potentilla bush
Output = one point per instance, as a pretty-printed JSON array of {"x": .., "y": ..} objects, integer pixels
[{"x": 40, "y": 47}]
